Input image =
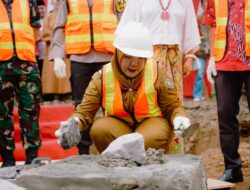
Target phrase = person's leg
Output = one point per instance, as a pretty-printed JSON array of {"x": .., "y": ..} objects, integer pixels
[
  {"x": 176, "y": 62},
  {"x": 156, "y": 132},
  {"x": 81, "y": 74},
  {"x": 28, "y": 93},
  {"x": 40, "y": 66},
  {"x": 170, "y": 57},
  {"x": 105, "y": 130},
  {"x": 160, "y": 55},
  {"x": 228, "y": 87},
  {"x": 199, "y": 82},
  {"x": 7, "y": 144},
  {"x": 247, "y": 87}
]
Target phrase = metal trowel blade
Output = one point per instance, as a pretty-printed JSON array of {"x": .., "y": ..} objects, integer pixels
[{"x": 190, "y": 130}]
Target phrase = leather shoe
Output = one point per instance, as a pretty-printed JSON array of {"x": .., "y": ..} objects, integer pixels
[
  {"x": 232, "y": 175},
  {"x": 31, "y": 153},
  {"x": 8, "y": 158}
]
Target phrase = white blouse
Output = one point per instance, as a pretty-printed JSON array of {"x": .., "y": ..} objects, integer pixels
[{"x": 181, "y": 28}]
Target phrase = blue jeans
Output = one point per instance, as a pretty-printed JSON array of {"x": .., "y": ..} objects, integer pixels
[{"x": 199, "y": 81}]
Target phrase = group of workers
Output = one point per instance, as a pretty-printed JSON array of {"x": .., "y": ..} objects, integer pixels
[{"x": 129, "y": 58}]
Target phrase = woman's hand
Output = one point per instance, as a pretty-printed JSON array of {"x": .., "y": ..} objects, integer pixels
[
  {"x": 188, "y": 66},
  {"x": 68, "y": 134}
]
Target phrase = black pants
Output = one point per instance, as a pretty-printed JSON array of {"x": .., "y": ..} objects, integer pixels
[
  {"x": 228, "y": 86},
  {"x": 40, "y": 65},
  {"x": 81, "y": 74}
]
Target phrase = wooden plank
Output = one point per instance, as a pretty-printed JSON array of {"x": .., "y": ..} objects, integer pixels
[{"x": 217, "y": 184}]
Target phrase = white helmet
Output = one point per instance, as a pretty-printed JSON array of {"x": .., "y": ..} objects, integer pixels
[{"x": 134, "y": 39}]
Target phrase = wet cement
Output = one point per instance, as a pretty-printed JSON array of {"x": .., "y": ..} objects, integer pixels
[{"x": 92, "y": 172}]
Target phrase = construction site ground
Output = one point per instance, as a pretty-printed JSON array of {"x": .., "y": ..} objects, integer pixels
[{"x": 206, "y": 140}]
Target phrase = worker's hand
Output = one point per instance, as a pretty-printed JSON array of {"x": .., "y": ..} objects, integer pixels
[
  {"x": 59, "y": 67},
  {"x": 181, "y": 123},
  {"x": 211, "y": 70},
  {"x": 68, "y": 133}
]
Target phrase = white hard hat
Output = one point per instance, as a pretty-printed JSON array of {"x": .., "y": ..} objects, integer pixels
[{"x": 134, "y": 39}]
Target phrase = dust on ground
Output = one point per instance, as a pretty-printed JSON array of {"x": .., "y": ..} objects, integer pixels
[{"x": 206, "y": 142}]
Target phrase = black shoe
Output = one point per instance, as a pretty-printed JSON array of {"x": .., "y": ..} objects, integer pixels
[
  {"x": 31, "y": 154},
  {"x": 8, "y": 163},
  {"x": 8, "y": 158},
  {"x": 233, "y": 175}
]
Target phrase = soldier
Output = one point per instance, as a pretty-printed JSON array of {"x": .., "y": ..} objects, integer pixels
[{"x": 19, "y": 76}]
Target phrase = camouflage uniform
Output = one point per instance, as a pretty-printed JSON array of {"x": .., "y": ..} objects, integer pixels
[{"x": 20, "y": 79}]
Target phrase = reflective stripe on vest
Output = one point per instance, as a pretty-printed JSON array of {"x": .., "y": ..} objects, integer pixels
[
  {"x": 78, "y": 32},
  {"x": 146, "y": 104},
  {"x": 23, "y": 32},
  {"x": 221, "y": 12}
]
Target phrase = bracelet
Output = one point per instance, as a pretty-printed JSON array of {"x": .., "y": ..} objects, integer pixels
[{"x": 191, "y": 56}]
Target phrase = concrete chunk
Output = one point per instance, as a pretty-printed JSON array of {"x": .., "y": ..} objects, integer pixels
[
  {"x": 177, "y": 172},
  {"x": 8, "y": 172},
  {"x": 129, "y": 146},
  {"x": 6, "y": 185}
]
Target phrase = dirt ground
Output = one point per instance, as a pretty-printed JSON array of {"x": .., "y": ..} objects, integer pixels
[{"x": 205, "y": 141}]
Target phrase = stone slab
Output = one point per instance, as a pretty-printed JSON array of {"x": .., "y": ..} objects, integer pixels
[
  {"x": 177, "y": 172},
  {"x": 6, "y": 185}
]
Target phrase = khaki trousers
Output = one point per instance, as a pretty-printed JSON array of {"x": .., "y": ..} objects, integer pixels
[{"x": 156, "y": 132}]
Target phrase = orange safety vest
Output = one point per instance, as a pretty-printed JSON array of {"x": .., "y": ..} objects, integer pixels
[
  {"x": 146, "y": 104},
  {"x": 80, "y": 25},
  {"x": 23, "y": 32},
  {"x": 221, "y": 12}
]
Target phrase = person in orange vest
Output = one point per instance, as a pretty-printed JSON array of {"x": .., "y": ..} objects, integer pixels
[
  {"x": 133, "y": 92},
  {"x": 84, "y": 31},
  {"x": 19, "y": 77},
  {"x": 176, "y": 38},
  {"x": 229, "y": 69}
]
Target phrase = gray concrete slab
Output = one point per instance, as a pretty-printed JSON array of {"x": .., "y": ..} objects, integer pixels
[
  {"x": 7, "y": 185},
  {"x": 91, "y": 172}
]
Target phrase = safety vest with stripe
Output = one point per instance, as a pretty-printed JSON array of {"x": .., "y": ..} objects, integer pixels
[
  {"x": 101, "y": 22},
  {"x": 146, "y": 104},
  {"x": 221, "y": 12},
  {"x": 23, "y": 32}
]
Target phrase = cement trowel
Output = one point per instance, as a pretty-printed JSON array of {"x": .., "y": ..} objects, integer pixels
[
  {"x": 190, "y": 130},
  {"x": 187, "y": 132}
]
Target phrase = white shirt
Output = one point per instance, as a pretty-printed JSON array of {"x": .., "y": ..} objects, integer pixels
[{"x": 181, "y": 28}]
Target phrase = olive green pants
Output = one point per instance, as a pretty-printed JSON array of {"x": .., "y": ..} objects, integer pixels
[{"x": 156, "y": 132}]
